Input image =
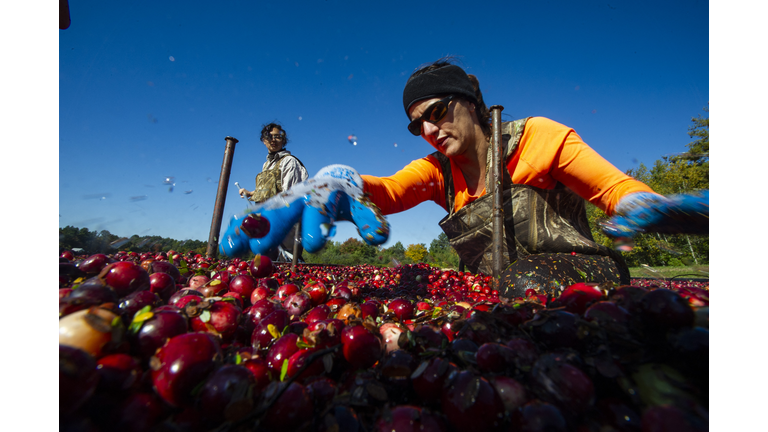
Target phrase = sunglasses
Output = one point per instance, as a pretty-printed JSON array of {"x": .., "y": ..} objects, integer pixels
[
  {"x": 433, "y": 114},
  {"x": 274, "y": 137}
]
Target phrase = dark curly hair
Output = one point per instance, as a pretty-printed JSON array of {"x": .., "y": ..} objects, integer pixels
[
  {"x": 267, "y": 128},
  {"x": 483, "y": 113}
]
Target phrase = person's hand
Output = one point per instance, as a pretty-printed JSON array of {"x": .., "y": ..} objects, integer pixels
[
  {"x": 650, "y": 213},
  {"x": 243, "y": 193},
  {"x": 335, "y": 193}
]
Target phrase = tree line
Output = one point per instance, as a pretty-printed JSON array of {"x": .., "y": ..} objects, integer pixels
[
  {"x": 673, "y": 174},
  {"x": 92, "y": 242}
]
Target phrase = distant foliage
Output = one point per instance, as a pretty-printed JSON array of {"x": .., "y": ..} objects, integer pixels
[
  {"x": 416, "y": 252},
  {"x": 105, "y": 242}
]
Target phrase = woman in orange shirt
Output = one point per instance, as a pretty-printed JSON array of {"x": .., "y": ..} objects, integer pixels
[{"x": 549, "y": 173}]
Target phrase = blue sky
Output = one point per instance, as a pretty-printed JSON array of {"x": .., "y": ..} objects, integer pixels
[{"x": 150, "y": 90}]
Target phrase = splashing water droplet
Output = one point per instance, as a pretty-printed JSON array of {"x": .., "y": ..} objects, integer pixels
[
  {"x": 395, "y": 144},
  {"x": 169, "y": 180},
  {"x": 623, "y": 244},
  {"x": 352, "y": 139},
  {"x": 171, "y": 58},
  {"x": 299, "y": 118}
]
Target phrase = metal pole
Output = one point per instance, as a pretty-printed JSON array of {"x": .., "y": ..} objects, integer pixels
[
  {"x": 221, "y": 197},
  {"x": 296, "y": 241},
  {"x": 498, "y": 195}
]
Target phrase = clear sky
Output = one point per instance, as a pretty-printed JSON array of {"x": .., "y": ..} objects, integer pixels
[{"x": 150, "y": 90}]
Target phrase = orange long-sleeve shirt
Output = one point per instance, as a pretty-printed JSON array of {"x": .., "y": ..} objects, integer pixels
[{"x": 548, "y": 153}]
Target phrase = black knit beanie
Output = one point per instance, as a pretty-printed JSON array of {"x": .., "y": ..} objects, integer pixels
[{"x": 449, "y": 79}]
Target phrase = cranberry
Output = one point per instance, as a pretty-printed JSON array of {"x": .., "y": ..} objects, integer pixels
[
  {"x": 296, "y": 304},
  {"x": 664, "y": 310},
  {"x": 93, "y": 264},
  {"x": 563, "y": 384},
  {"x": 402, "y": 308},
  {"x": 243, "y": 284},
  {"x": 299, "y": 360},
  {"x": 227, "y": 394},
  {"x": 118, "y": 372},
  {"x": 264, "y": 332},
  {"x": 125, "y": 277},
  {"x": 361, "y": 348},
  {"x": 284, "y": 291},
  {"x": 78, "y": 378},
  {"x": 577, "y": 297},
  {"x": 317, "y": 292},
  {"x": 429, "y": 379},
  {"x": 182, "y": 364},
  {"x": 494, "y": 357},
  {"x": 291, "y": 410},
  {"x": 555, "y": 329},
  {"x": 255, "y": 226},
  {"x": 407, "y": 418},
  {"x": 538, "y": 416},
  {"x": 511, "y": 392},
  {"x": 136, "y": 301},
  {"x": 318, "y": 313},
  {"x": 153, "y": 332},
  {"x": 165, "y": 267},
  {"x": 163, "y": 285},
  {"x": 471, "y": 403},
  {"x": 524, "y": 352},
  {"x": 261, "y": 266},
  {"x": 322, "y": 390},
  {"x": 221, "y": 320},
  {"x": 260, "y": 371}
]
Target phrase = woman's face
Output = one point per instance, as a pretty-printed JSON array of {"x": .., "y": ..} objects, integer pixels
[
  {"x": 275, "y": 141},
  {"x": 452, "y": 135}
]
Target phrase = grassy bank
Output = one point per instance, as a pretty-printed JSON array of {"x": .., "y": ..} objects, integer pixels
[{"x": 670, "y": 272}]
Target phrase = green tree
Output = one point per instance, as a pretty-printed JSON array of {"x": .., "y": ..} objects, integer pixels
[
  {"x": 441, "y": 254},
  {"x": 416, "y": 252}
]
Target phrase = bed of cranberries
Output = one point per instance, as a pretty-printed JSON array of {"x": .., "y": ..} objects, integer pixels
[{"x": 171, "y": 342}]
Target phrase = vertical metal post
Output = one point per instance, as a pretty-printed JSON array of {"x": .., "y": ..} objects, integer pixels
[
  {"x": 221, "y": 198},
  {"x": 296, "y": 241},
  {"x": 498, "y": 195}
]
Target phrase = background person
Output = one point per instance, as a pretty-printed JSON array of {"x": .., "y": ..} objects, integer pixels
[{"x": 279, "y": 173}]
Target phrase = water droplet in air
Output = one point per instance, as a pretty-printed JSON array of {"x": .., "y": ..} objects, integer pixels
[
  {"x": 188, "y": 192},
  {"x": 395, "y": 144},
  {"x": 299, "y": 118},
  {"x": 169, "y": 181},
  {"x": 352, "y": 139},
  {"x": 171, "y": 58},
  {"x": 624, "y": 244}
]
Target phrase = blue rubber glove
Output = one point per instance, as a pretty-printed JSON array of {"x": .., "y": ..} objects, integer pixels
[
  {"x": 334, "y": 194},
  {"x": 646, "y": 212}
]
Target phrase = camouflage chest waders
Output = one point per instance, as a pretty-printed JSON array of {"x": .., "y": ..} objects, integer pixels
[
  {"x": 268, "y": 183},
  {"x": 544, "y": 228}
]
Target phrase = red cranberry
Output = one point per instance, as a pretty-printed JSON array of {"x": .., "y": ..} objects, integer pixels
[
  {"x": 471, "y": 403},
  {"x": 125, "y": 277},
  {"x": 227, "y": 395},
  {"x": 361, "y": 348},
  {"x": 182, "y": 364},
  {"x": 261, "y": 266}
]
